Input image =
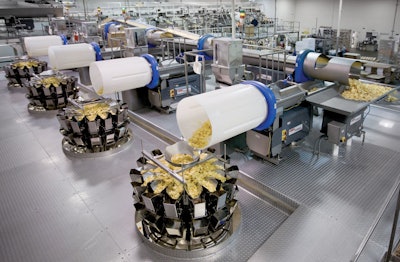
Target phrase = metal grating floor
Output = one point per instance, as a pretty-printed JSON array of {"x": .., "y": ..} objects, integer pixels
[
  {"x": 339, "y": 197},
  {"x": 250, "y": 236},
  {"x": 56, "y": 208},
  {"x": 59, "y": 208}
]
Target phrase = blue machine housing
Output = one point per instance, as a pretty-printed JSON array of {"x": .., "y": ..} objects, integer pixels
[
  {"x": 200, "y": 46},
  {"x": 299, "y": 75},
  {"x": 155, "y": 76},
  {"x": 64, "y": 39},
  {"x": 97, "y": 49},
  {"x": 106, "y": 27},
  {"x": 271, "y": 104}
]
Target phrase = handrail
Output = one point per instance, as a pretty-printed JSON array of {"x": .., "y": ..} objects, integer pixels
[
  {"x": 394, "y": 227},
  {"x": 9, "y": 58},
  {"x": 392, "y": 192}
]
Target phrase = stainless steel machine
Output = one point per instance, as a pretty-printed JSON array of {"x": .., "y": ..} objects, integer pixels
[
  {"x": 227, "y": 66},
  {"x": 185, "y": 205},
  {"x": 95, "y": 125},
  {"x": 292, "y": 122},
  {"x": 151, "y": 82},
  {"x": 51, "y": 90},
  {"x": 316, "y": 76},
  {"x": 46, "y": 89},
  {"x": 173, "y": 86},
  {"x": 319, "y": 83},
  {"x": 90, "y": 32},
  {"x": 90, "y": 124},
  {"x": 136, "y": 42},
  {"x": 20, "y": 72},
  {"x": 176, "y": 81}
]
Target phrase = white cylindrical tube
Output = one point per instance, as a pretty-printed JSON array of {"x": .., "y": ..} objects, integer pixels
[
  {"x": 116, "y": 75},
  {"x": 39, "y": 45},
  {"x": 71, "y": 56},
  {"x": 231, "y": 111}
]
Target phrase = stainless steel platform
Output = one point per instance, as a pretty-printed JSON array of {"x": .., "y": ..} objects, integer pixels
[
  {"x": 332, "y": 100},
  {"x": 59, "y": 208},
  {"x": 339, "y": 197}
]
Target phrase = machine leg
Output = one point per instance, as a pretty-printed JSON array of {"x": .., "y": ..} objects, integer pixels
[
  {"x": 335, "y": 150},
  {"x": 349, "y": 142}
]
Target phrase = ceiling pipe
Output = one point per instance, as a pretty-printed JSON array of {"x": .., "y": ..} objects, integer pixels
[
  {"x": 233, "y": 20},
  {"x": 395, "y": 16},
  {"x": 338, "y": 27}
]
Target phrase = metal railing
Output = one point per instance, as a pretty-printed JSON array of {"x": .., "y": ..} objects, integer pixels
[
  {"x": 170, "y": 47},
  {"x": 392, "y": 193},
  {"x": 200, "y": 58},
  {"x": 11, "y": 56},
  {"x": 271, "y": 63}
]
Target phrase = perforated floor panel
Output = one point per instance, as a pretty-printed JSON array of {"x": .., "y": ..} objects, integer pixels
[{"x": 59, "y": 208}]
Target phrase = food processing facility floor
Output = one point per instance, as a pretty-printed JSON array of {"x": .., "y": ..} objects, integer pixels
[{"x": 56, "y": 207}]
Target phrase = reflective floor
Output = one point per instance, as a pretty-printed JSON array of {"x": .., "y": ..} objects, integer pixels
[{"x": 59, "y": 208}]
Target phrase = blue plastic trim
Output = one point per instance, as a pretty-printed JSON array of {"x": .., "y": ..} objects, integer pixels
[
  {"x": 64, "y": 39},
  {"x": 271, "y": 104},
  {"x": 106, "y": 27},
  {"x": 299, "y": 75},
  {"x": 202, "y": 40},
  {"x": 179, "y": 58},
  {"x": 200, "y": 46},
  {"x": 155, "y": 77},
  {"x": 97, "y": 49},
  {"x": 206, "y": 57},
  {"x": 150, "y": 28}
]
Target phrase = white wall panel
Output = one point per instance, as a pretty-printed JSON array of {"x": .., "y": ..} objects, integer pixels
[
  {"x": 361, "y": 16},
  {"x": 315, "y": 13},
  {"x": 286, "y": 10}
]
